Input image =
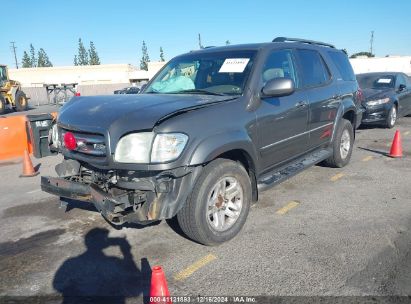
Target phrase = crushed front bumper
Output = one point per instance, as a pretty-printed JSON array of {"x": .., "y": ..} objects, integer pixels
[
  {"x": 137, "y": 204},
  {"x": 376, "y": 114}
]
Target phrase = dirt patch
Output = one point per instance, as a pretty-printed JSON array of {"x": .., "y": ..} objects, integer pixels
[
  {"x": 38, "y": 240},
  {"x": 48, "y": 208},
  {"x": 24, "y": 256}
]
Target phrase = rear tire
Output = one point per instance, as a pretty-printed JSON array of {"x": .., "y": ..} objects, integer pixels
[
  {"x": 391, "y": 117},
  {"x": 342, "y": 145},
  {"x": 20, "y": 101},
  {"x": 218, "y": 205},
  {"x": 2, "y": 105}
]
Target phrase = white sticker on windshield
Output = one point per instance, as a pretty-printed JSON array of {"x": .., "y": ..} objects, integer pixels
[
  {"x": 384, "y": 80},
  {"x": 234, "y": 65}
]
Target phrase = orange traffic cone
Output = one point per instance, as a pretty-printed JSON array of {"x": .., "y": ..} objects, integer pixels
[
  {"x": 28, "y": 169},
  {"x": 396, "y": 147},
  {"x": 158, "y": 290}
]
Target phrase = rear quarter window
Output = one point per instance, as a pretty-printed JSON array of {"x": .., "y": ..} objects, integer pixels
[
  {"x": 343, "y": 65},
  {"x": 313, "y": 69}
]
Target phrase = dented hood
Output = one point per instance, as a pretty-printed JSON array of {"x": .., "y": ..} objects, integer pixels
[{"x": 128, "y": 112}]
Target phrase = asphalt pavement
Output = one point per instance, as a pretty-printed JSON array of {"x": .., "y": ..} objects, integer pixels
[{"x": 325, "y": 232}]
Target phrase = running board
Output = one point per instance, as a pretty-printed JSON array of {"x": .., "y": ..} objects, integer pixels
[{"x": 281, "y": 174}]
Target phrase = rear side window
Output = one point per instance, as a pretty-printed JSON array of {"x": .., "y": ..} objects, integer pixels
[
  {"x": 313, "y": 69},
  {"x": 343, "y": 65}
]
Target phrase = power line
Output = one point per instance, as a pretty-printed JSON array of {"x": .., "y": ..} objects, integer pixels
[{"x": 13, "y": 47}]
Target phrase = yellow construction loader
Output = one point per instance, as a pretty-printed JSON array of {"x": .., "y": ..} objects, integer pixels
[{"x": 11, "y": 95}]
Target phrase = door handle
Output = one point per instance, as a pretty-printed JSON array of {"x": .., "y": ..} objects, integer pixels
[{"x": 301, "y": 104}]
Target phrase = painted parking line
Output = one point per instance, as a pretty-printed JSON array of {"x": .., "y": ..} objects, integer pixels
[
  {"x": 367, "y": 158},
  {"x": 336, "y": 177},
  {"x": 287, "y": 207},
  {"x": 34, "y": 191},
  {"x": 184, "y": 274},
  {"x": 406, "y": 133}
]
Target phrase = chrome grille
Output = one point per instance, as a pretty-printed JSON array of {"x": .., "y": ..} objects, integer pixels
[{"x": 87, "y": 143}]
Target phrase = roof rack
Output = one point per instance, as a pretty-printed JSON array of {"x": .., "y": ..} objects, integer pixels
[{"x": 285, "y": 39}]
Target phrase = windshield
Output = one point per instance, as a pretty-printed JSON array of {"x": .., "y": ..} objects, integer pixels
[
  {"x": 3, "y": 74},
  {"x": 220, "y": 73},
  {"x": 379, "y": 81}
]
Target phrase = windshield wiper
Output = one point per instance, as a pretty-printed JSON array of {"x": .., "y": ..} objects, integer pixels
[{"x": 200, "y": 91}]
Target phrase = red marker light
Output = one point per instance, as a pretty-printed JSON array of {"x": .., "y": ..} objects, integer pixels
[
  {"x": 70, "y": 141},
  {"x": 77, "y": 94}
]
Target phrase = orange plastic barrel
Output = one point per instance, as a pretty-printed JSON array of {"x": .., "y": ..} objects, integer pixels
[{"x": 13, "y": 137}]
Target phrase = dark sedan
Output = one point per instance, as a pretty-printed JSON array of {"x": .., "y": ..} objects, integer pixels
[
  {"x": 387, "y": 96},
  {"x": 128, "y": 90}
]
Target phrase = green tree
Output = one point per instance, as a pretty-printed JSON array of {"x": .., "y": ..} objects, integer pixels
[
  {"x": 92, "y": 53},
  {"x": 368, "y": 54},
  {"x": 26, "y": 61},
  {"x": 43, "y": 59},
  {"x": 75, "y": 60},
  {"x": 82, "y": 56},
  {"x": 227, "y": 42},
  {"x": 33, "y": 59},
  {"x": 162, "y": 54},
  {"x": 145, "y": 59}
]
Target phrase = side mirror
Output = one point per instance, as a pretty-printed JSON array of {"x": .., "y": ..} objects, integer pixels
[
  {"x": 278, "y": 87},
  {"x": 402, "y": 87}
]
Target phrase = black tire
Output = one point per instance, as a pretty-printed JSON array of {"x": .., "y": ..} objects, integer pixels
[
  {"x": 338, "y": 160},
  {"x": 20, "y": 101},
  {"x": 193, "y": 218},
  {"x": 391, "y": 117},
  {"x": 2, "y": 105}
]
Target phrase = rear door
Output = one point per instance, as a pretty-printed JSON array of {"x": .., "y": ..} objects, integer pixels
[
  {"x": 282, "y": 121},
  {"x": 322, "y": 93}
]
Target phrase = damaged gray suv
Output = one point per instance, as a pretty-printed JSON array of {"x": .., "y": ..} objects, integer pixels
[{"x": 208, "y": 133}]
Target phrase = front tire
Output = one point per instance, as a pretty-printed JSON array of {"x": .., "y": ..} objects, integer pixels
[
  {"x": 391, "y": 117},
  {"x": 20, "y": 101},
  {"x": 219, "y": 204},
  {"x": 342, "y": 145},
  {"x": 2, "y": 105}
]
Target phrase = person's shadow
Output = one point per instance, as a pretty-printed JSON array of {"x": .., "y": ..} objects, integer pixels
[{"x": 94, "y": 277}]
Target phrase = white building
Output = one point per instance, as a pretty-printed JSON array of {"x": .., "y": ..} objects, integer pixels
[
  {"x": 84, "y": 75},
  {"x": 382, "y": 64}
]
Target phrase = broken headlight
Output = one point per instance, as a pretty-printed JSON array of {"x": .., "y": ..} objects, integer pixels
[{"x": 136, "y": 147}]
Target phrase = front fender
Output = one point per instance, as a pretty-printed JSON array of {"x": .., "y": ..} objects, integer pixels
[{"x": 217, "y": 144}]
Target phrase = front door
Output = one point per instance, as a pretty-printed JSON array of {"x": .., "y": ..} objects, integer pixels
[
  {"x": 282, "y": 121},
  {"x": 404, "y": 95}
]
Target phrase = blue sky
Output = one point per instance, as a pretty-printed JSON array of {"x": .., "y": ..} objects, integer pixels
[{"x": 118, "y": 28}]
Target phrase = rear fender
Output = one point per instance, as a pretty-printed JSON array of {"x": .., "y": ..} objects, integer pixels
[{"x": 346, "y": 105}]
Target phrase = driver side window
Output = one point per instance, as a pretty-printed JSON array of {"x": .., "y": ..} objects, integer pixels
[
  {"x": 279, "y": 64},
  {"x": 400, "y": 81}
]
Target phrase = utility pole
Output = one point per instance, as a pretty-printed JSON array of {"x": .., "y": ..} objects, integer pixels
[
  {"x": 199, "y": 42},
  {"x": 371, "y": 42},
  {"x": 13, "y": 47}
]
